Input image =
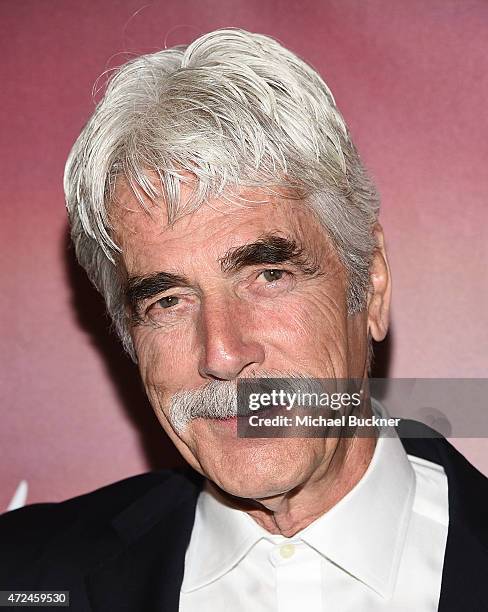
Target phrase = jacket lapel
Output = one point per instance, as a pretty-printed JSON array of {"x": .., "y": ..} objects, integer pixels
[{"x": 144, "y": 570}]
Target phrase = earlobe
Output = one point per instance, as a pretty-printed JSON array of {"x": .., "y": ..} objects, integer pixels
[{"x": 380, "y": 289}]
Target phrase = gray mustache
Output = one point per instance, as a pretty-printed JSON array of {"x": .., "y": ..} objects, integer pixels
[{"x": 218, "y": 399}]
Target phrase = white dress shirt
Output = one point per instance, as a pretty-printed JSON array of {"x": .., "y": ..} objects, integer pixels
[{"x": 380, "y": 548}]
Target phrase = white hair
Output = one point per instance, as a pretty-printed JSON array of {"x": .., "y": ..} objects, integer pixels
[{"x": 232, "y": 109}]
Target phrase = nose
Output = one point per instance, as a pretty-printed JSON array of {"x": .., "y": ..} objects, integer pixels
[{"x": 227, "y": 339}]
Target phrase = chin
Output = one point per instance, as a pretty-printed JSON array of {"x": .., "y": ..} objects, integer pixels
[{"x": 259, "y": 468}]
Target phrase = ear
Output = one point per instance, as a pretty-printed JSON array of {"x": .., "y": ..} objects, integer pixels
[{"x": 379, "y": 294}]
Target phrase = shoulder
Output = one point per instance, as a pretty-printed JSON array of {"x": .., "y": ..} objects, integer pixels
[
  {"x": 423, "y": 442},
  {"x": 82, "y": 523},
  {"x": 103, "y": 501},
  {"x": 467, "y": 487}
]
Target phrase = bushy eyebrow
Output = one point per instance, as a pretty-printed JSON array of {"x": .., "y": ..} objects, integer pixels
[
  {"x": 140, "y": 288},
  {"x": 269, "y": 249}
]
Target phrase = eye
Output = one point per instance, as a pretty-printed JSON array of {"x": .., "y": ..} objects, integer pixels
[
  {"x": 170, "y": 309},
  {"x": 272, "y": 275},
  {"x": 272, "y": 282},
  {"x": 167, "y": 302}
]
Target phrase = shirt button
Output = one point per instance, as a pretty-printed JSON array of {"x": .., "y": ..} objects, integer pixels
[{"x": 287, "y": 551}]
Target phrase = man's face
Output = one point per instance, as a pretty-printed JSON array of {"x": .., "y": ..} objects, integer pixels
[{"x": 241, "y": 290}]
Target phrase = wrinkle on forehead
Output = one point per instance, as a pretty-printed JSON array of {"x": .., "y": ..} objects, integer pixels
[
  {"x": 130, "y": 199},
  {"x": 138, "y": 229}
]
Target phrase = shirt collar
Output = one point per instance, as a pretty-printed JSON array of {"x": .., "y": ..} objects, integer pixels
[
  {"x": 364, "y": 533},
  {"x": 221, "y": 537}
]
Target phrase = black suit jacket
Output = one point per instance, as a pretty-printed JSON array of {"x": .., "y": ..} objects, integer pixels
[{"x": 122, "y": 547}]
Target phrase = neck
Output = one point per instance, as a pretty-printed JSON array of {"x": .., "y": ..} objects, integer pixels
[{"x": 291, "y": 512}]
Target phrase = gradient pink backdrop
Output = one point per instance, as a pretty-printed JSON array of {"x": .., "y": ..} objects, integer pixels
[{"x": 411, "y": 79}]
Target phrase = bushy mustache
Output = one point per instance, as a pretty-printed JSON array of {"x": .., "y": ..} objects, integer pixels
[{"x": 218, "y": 399}]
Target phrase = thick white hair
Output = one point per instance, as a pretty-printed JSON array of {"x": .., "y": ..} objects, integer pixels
[{"x": 232, "y": 109}]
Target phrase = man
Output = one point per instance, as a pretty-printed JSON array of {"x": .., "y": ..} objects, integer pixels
[{"x": 217, "y": 202}]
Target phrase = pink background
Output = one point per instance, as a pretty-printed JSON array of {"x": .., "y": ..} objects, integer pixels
[{"x": 411, "y": 79}]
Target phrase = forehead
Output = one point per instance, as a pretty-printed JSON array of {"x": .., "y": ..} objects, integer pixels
[{"x": 149, "y": 242}]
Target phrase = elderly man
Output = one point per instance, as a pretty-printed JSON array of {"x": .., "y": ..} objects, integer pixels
[{"x": 217, "y": 202}]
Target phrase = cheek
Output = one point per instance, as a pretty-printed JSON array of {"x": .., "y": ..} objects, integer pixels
[
  {"x": 164, "y": 357},
  {"x": 163, "y": 371},
  {"x": 309, "y": 328}
]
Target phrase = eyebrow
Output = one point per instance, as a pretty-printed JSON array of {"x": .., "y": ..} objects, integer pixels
[
  {"x": 267, "y": 249},
  {"x": 140, "y": 288}
]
